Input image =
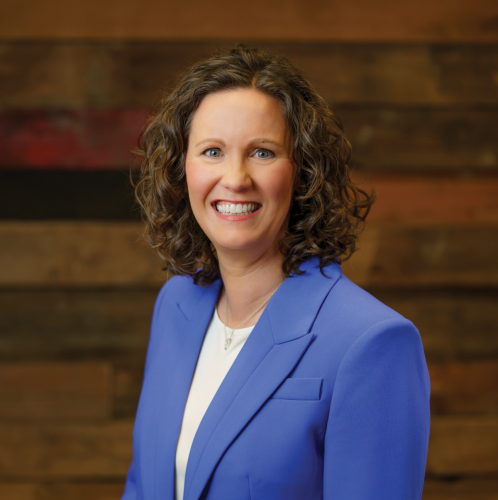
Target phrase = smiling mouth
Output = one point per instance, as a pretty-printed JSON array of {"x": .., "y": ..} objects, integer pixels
[{"x": 226, "y": 208}]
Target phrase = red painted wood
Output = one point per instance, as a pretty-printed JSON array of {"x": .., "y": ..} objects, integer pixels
[{"x": 70, "y": 139}]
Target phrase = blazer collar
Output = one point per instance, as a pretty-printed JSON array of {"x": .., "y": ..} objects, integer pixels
[{"x": 275, "y": 346}]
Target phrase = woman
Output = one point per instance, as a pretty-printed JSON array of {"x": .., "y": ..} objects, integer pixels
[{"x": 269, "y": 375}]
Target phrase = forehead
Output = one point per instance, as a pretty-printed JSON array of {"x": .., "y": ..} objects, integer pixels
[{"x": 239, "y": 114}]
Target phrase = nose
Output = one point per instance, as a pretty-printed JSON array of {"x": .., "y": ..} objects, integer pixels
[{"x": 236, "y": 177}]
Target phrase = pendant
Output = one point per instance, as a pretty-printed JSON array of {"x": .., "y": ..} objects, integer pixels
[{"x": 227, "y": 343}]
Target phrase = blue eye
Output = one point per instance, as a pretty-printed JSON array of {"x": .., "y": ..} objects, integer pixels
[
  {"x": 213, "y": 153},
  {"x": 263, "y": 154}
]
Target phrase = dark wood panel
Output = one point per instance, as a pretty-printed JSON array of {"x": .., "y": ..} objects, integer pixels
[
  {"x": 61, "y": 491},
  {"x": 72, "y": 325},
  {"x": 460, "y": 489},
  {"x": 458, "y": 446},
  {"x": 446, "y": 20},
  {"x": 403, "y": 256},
  {"x": 104, "y": 254},
  {"x": 464, "y": 387},
  {"x": 37, "y": 74},
  {"x": 114, "y": 325},
  {"x": 76, "y": 139},
  {"x": 99, "y": 451},
  {"x": 383, "y": 138},
  {"x": 463, "y": 445},
  {"x": 67, "y": 195},
  {"x": 454, "y": 324},
  {"x": 422, "y": 139},
  {"x": 78, "y": 391},
  {"x": 66, "y": 254},
  {"x": 128, "y": 384}
]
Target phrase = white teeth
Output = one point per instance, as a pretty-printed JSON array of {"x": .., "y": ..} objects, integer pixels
[{"x": 236, "y": 208}]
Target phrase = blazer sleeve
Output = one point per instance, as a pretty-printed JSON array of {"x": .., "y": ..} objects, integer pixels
[
  {"x": 131, "y": 486},
  {"x": 378, "y": 428}
]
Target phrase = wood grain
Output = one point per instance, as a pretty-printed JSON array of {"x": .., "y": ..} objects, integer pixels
[
  {"x": 446, "y": 20},
  {"x": 101, "y": 451},
  {"x": 66, "y": 254},
  {"x": 460, "y": 489},
  {"x": 75, "y": 325},
  {"x": 463, "y": 445},
  {"x": 459, "y": 445},
  {"x": 455, "y": 324},
  {"x": 124, "y": 74},
  {"x": 103, "y": 254},
  {"x": 464, "y": 387},
  {"x": 58, "y": 391},
  {"x": 383, "y": 138},
  {"x": 61, "y": 491}
]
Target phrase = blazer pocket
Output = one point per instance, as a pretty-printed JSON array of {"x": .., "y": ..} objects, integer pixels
[{"x": 301, "y": 389}]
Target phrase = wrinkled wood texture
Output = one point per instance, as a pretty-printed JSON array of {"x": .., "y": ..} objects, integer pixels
[
  {"x": 446, "y": 20},
  {"x": 77, "y": 286}
]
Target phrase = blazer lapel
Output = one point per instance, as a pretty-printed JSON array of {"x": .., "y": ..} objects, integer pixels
[
  {"x": 178, "y": 355},
  {"x": 274, "y": 348}
]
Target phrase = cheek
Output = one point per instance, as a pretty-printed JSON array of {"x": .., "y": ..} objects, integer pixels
[
  {"x": 199, "y": 182},
  {"x": 279, "y": 186}
]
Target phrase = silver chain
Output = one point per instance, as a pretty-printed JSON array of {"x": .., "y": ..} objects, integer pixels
[{"x": 228, "y": 340}]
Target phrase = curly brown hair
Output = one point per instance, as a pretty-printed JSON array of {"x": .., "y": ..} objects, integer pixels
[{"x": 327, "y": 213}]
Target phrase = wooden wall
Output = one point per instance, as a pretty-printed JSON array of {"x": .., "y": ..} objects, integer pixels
[{"x": 416, "y": 84}]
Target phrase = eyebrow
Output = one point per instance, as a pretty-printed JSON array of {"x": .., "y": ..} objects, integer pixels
[{"x": 215, "y": 139}]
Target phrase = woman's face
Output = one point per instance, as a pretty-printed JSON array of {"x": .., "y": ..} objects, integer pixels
[{"x": 240, "y": 172}]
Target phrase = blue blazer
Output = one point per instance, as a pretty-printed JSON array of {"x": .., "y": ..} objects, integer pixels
[{"x": 328, "y": 399}]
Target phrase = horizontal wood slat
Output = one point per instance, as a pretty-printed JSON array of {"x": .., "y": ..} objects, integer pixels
[
  {"x": 114, "y": 324},
  {"x": 460, "y": 489},
  {"x": 124, "y": 74},
  {"x": 55, "y": 391},
  {"x": 88, "y": 139},
  {"x": 73, "y": 325},
  {"x": 79, "y": 254},
  {"x": 463, "y": 445},
  {"x": 464, "y": 388},
  {"x": 382, "y": 138},
  {"x": 76, "y": 254},
  {"x": 66, "y": 451},
  {"x": 457, "y": 388},
  {"x": 457, "y": 446},
  {"x": 61, "y": 491},
  {"x": 446, "y": 20}
]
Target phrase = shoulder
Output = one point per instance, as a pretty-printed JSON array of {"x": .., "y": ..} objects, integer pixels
[{"x": 351, "y": 315}]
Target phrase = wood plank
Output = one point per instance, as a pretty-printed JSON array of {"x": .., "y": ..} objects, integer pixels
[
  {"x": 126, "y": 74},
  {"x": 128, "y": 385},
  {"x": 428, "y": 140},
  {"x": 431, "y": 199},
  {"x": 394, "y": 139},
  {"x": 76, "y": 254},
  {"x": 99, "y": 451},
  {"x": 103, "y": 254},
  {"x": 89, "y": 139},
  {"x": 401, "y": 199},
  {"x": 464, "y": 387},
  {"x": 463, "y": 445},
  {"x": 402, "y": 256},
  {"x": 446, "y": 20},
  {"x": 455, "y": 324},
  {"x": 58, "y": 491},
  {"x": 57, "y": 391},
  {"x": 458, "y": 446},
  {"x": 460, "y": 489},
  {"x": 75, "y": 325}
]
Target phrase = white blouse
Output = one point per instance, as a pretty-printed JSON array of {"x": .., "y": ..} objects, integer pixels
[{"x": 212, "y": 366}]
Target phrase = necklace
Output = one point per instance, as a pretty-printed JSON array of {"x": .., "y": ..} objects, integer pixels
[{"x": 228, "y": 339}]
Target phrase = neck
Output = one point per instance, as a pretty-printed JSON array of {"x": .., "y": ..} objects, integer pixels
[{"x": 247, "y": 285}]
